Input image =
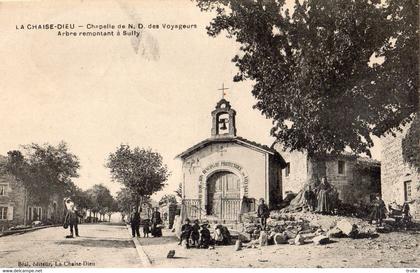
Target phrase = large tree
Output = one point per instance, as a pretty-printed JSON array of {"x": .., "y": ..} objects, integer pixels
[
  {"x": 140, "y": 170},
  {"x": 44, "y": 169},
  {"x": 330, "y": 74}
]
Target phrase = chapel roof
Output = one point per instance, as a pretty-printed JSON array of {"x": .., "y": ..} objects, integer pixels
[{"x": 235, "y": 139}]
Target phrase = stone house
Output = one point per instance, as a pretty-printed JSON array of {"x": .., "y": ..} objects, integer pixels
[
  {"x": 356, "y": 179},
  {"x": 401, "y": 180},
  {"x": 225, "y": 174},
  {"x": 17, "y": 208}
]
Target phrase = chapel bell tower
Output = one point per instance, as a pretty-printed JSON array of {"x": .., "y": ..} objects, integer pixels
[{"x": 223, "y": 120}]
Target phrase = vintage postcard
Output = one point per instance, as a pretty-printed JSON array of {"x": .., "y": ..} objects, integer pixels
[{"x": 209, "y": 134}]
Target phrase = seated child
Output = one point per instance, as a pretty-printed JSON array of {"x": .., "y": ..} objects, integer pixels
[
  {"x": 186, "y": 230},
  {"x": 205, "y": 238},
  {"x": 218, "y": 235},
  {"x": 146, "y": 227},
  {"x": 195, "y": 233}
]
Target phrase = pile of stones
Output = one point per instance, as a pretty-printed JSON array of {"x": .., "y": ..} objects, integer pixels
[{"x": 284, "y": 228}]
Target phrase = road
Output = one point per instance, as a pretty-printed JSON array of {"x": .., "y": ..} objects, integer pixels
[{"x": 100, "y": 245}]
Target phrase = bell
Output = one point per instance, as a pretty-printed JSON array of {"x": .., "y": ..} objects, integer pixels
[{"x": 223, "y": 127}]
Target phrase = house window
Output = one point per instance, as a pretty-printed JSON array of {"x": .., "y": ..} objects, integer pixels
[
  {"x": 407, "y": 191},
  {"x": 341, "y": 167},
  {"x": 3, "y": 190},
  {"x": 3, "y": 213},
  {"x": 287, "y": 171}
]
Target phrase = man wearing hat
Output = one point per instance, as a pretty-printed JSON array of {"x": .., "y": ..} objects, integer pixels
[{"x": 263, "y": 212}]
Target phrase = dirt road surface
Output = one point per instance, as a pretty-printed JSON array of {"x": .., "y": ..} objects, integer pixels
[{"x": 100, "y": 245}]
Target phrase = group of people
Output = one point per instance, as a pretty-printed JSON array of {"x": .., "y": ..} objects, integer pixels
[
  {"x": 199, "y": 236},
  {"x": 151, "y": 226},
  {"x": 379, "y": 211},
  {"x": 322, "y": 197}
]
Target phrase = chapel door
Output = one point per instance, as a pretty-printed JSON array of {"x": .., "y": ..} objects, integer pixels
[{"x": 224, "y": 196}]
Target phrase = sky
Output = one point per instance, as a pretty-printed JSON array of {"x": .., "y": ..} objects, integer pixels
[{"x": 96, "y": 93}]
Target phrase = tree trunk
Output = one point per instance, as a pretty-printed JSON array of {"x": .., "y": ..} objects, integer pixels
[
  {"x": 317, "y": 168},
  {"x": 25, "y": 207},
  {"x": 137, "y": 202}
]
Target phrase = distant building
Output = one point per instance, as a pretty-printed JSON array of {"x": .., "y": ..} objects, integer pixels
[
  {"x": 17, "y": 208},
  {"x": 225, "y": 174},
  {"x": 400, "y": 180},
  {"x": 355, "y": 178}
]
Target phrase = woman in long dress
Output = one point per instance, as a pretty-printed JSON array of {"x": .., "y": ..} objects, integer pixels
[
  {"x": 323, "y": 198},
  {"x": 156, "y": 223},
  {"x": 378, "y": 211}
]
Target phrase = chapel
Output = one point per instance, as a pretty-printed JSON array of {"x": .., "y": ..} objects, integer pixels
[{"x": 225, "y": 175}]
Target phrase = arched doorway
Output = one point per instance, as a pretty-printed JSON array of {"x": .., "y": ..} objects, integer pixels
[{"x": 223, "y": 195}]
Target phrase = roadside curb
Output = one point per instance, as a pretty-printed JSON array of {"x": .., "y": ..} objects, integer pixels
[
  {"x": 23, "y": 231},
  {"x": 145, "y": 260}
]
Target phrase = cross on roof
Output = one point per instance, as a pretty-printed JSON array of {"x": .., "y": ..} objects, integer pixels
[{"x": 223, "y": 90}]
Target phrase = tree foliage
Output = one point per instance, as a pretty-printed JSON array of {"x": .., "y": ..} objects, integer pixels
[
  {"x": 168, "y": 199},
  {"x": 313, "y": 70},
  {"x": 44, "y": 169},
  {"x": 141, "y": 171},
  {"x": 178, "y": 191}
]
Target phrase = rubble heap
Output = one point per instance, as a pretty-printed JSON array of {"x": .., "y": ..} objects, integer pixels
[{"x": 302, "y": 228}]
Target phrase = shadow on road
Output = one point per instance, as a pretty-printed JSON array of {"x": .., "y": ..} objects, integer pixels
[
  {"x": 157, "y": 241},
  {"x": 99, "y": 243}
]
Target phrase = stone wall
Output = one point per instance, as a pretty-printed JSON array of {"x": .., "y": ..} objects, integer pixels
[
  {"x": 395, "y": 172},
  {"x": 298, "y": 175}
]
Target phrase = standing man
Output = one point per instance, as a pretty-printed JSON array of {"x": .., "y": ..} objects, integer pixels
[
  {"x": 263, "y": 213},
  {"x": 135, "y": 223},
  {"x": 72, "y": 218}
]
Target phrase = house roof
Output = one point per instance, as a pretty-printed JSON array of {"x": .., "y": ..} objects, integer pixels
[
  {"x": 368, "y": 162},
  {"x": 362, "y": 161},
  {"x": 232, "y": 139}
]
